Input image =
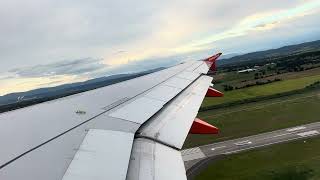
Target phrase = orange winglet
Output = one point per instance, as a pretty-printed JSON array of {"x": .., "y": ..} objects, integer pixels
[
  {"x": 202, "y": 127},
  {"x": 213, "y": 93}
]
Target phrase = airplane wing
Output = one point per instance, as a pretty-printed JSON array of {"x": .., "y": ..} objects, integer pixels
[{"x": 130, "y": 130}]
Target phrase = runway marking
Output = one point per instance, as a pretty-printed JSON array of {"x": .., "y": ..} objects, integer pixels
[
  {"x": 276, "y": 142},
  {"x": 265, "y": 136},
  {"x": 296, "y": 128},
  {"x": 215, "y": 148},
  {"x": 308, "y": 133},
  {"x": 275, "y": 136},
  {"x": 235, "y": 151},
  {"x": 192, "y": 154},
  {"x": 279, "y": 135},
  {"x": 246, "y": 142},
  {"x": 243, "y": 141}
]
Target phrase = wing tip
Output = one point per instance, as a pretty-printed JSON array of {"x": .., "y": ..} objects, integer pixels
[
  {"x": 214, "y": 57},
  {"x": 211, "y": 61}
]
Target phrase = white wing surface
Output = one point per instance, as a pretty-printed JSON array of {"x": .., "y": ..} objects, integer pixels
[{"x": 129, "y": 130}]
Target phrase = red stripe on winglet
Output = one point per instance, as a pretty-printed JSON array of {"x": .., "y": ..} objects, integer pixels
[
  {"x": 211, "y": 61},
  {"x": 213, "y": 93},
  {"x": 213, "y": 58},
  {"x": 202, "y": 127}
]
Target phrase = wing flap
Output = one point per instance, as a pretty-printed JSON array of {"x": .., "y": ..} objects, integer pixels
[
  {"x": 203, "y": 68},
  {"x": 163, "y": 93},
  {"x": 178, "y": 82},
  {"x": 194, "y": 66},
  {"x": 172, "y": 123},
  {"x": 188, "y": 75},
  {"x": 152, "y": 160},
  {"x": 148, "y": 104},
  {"x": 98, "y": 150},
  {"x": 134, "y": 113}
]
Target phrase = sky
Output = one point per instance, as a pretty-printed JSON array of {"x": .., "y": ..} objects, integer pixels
[{"x": 51, "y": 42}]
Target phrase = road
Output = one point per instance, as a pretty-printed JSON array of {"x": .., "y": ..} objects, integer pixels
[{"x": 208, "y": 152}]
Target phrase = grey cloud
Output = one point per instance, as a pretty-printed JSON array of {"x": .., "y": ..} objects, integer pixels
[
  {"x": 266, "y": 24},
  {"x": 39, "y": 32},
  {"x": 68, "y": 67},
  {"x": 121, "y": 52},
  {"x": 297, "y": 31},
  {"x": 51, "y": 83},
  {"x": 93, "y": 68},
  {"x": 261, "y": 25},
  {"x": 33, "y": 31},
  {"x": 138, "y": 66},
  {"x": 222, "y": 15},
  {"x": 153, "y": 63}
]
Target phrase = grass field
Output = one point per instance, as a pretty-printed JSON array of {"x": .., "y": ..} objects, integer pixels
[
  {"x": 262, "y": 90},
  {"x": 299, "y": 160},
  {"x": 234, "y": 78},
  {"x": 259, "y": 117},
  {"x": 295, "y": 160}
]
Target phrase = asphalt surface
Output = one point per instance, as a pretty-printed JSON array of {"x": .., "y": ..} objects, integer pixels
[{"x": 195, "y": 158}]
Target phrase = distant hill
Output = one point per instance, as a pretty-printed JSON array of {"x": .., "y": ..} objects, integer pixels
[
  {"x": 43, "y": 94},
  {"x": 283, "y": 51},
  {"x": 228, "y": 56}
]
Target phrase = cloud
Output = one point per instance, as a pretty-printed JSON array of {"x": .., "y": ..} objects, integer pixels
[
  {"x": 131, "y": 36},
  {"x": 259, "y": 21},
  {"x": 50, "y": 30},
  {"x": 51, "y": 74},
  {"x": 77, "y": 29},
  {"x": 69, "y": 71},
  {"x": 266, "y": 24},
  {"x": 26, "y": 84},
  {"x": 284, "y": 33},
  {"x": 68, "y": 67}
]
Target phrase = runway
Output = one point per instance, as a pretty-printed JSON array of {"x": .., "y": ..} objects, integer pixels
[{"x": 208, "y": 152}]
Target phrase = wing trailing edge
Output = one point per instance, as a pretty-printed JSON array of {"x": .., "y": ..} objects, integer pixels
[
  {"x": 153, "y": 160},
  {"x": 172, "y": 124}
]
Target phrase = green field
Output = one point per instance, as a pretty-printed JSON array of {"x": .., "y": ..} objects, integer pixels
[
  {"x": 262, "y": 90},
  {"x": 248, "y": 111},
  {"x": 299, "y": 160},
  {"x": 250, "y": 119}
]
